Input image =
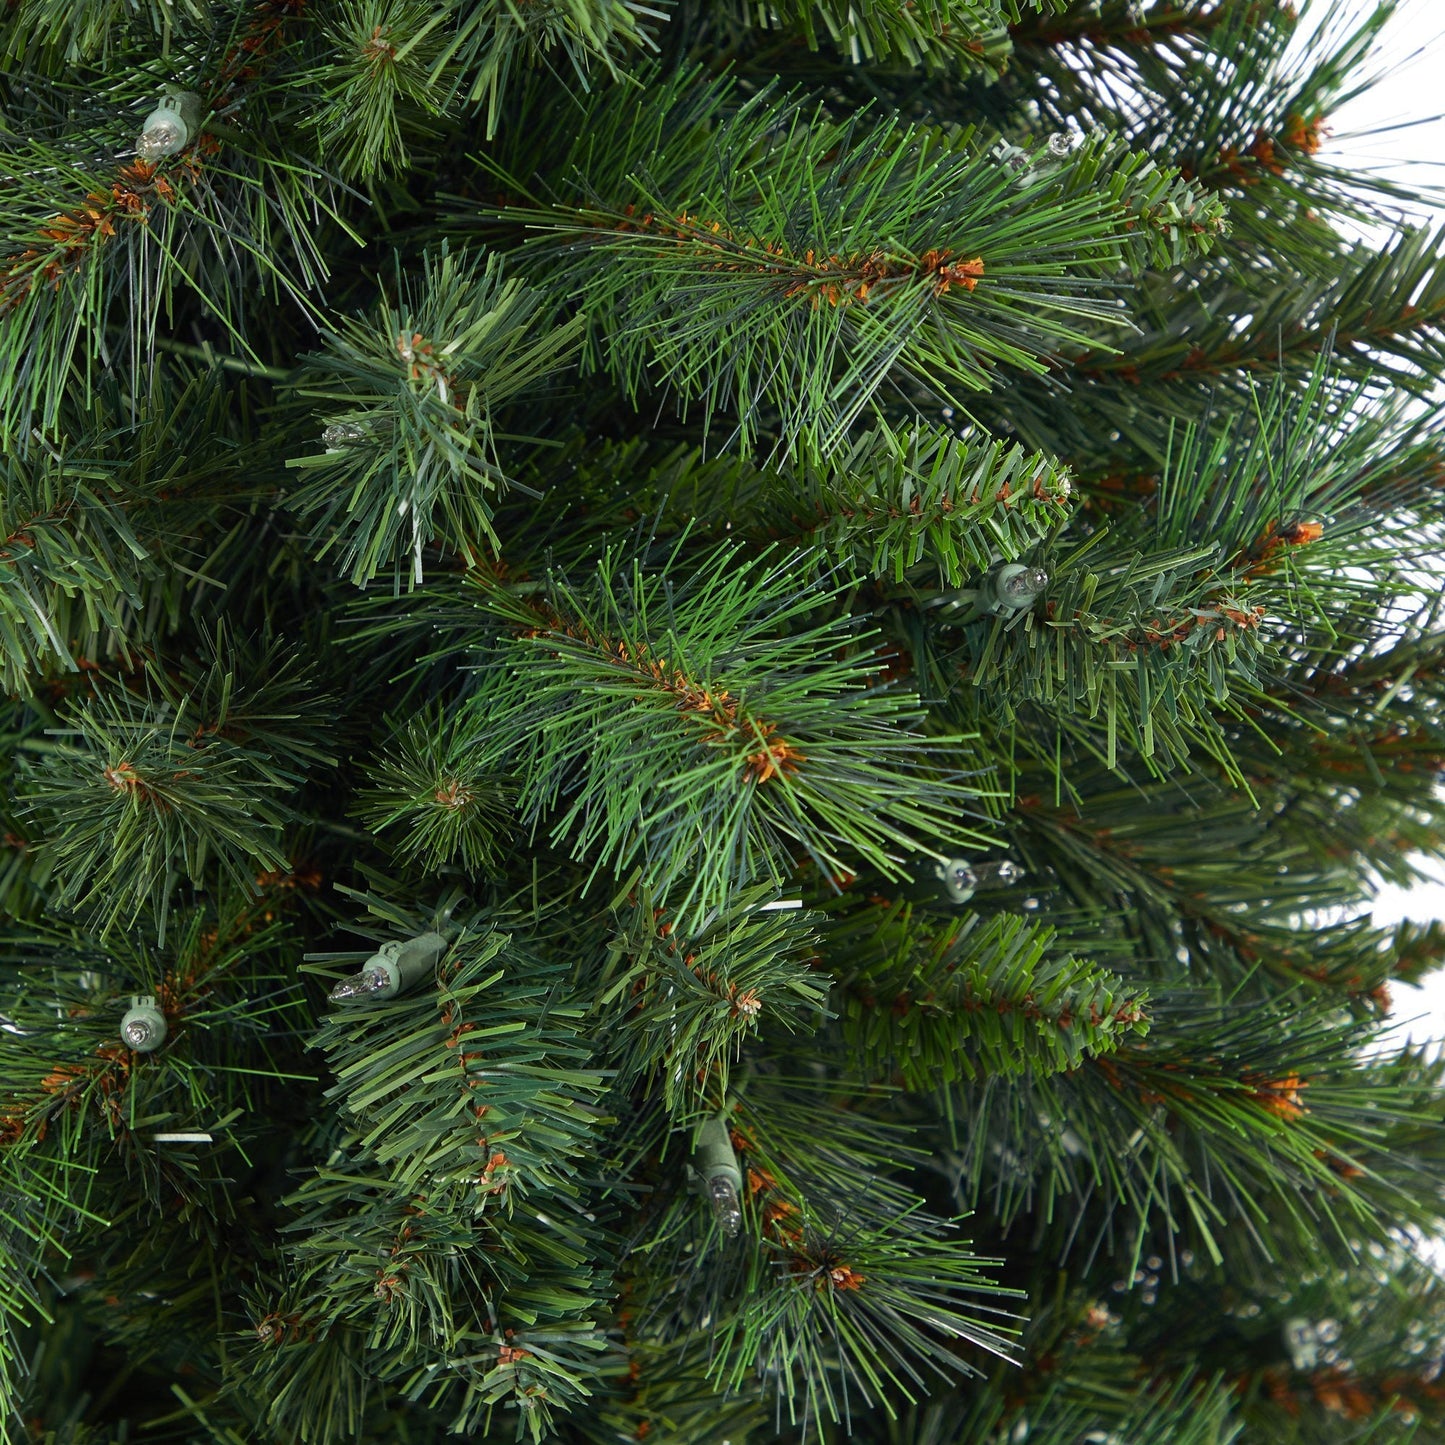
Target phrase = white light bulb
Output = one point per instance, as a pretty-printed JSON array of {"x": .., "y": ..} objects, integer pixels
[
  {"x": 1022, "y": 587},
  {"x": 366, "y": 984},
  {"x": 723, "y": 1196},
  {"x": 161, "y": 138},
  {"x": 137, "y": 1033},
  {"x": 342, "y": 434}
]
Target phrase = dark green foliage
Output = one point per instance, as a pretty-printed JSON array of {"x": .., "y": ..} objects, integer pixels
[
  {"x": 412, "y": 399},
  {"x": 681, "y": 1003},
  {"x": 520, "y": 504},
  {"x": 778, "y": 269},
  {"x": 144, "y": 789},
  {"x": 708, "y": 727},
  {"x": 926, "y": 504},
  {"x": 428, "y": 784},
  {"x": 421, "y": 1236},
  {"x": 98, "y": 248},
  {"x": 379, "y": 92},
  {"x": 905, "y": 981},
  {"x": 102, "y": 533}
]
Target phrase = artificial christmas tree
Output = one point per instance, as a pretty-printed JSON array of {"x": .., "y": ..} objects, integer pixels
[{"x": 702, "y": 701}]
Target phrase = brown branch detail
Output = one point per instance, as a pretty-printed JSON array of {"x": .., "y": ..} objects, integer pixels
[
  {"x": 1263, "y": 156},
  {"x": 717, "y": 712},
  {"x": 1341, "y": 1391},
  {"x": 745, "y": 1003},
  {"x": 1165, "y": 632},
  {"x": 833, "y": 279},
  {"x": 1263, "y": 553},
  {"x": 73, "y": 235},
  {"x": 263, "y": 37}
]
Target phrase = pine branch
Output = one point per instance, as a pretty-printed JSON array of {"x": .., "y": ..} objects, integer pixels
[
  {"x": 145, "y": 790},
  {"x": 412, "y": 405},
  {"x": 678, "y": 1006},
  {"x": 380, "y": 89},
  {"x": 713, "y": 728},
  {"x": 823, "y": 1297},
  {"x": 669, "y": 1397},
  {"x": 460, "y": 1109},
  {"x": 484, "y": 45},
  {"x": 922, "y": 503},
  {"x": 1223, "y": 1129},
  {"x": 928, "y": 1003},
  {"x": 108, "y": 537},
  {"x": 231, "y": 215},
  {"x": 839, "y": 259},
  {"x": 428, "y": 783},
  {"x": 934, "y": 34},
  {"x": 50, "y": 37},
  {"x": 84, "y": 1120},
  {"x": 1191, "y": 1412},
  {"x": 1165, "y": 638}
]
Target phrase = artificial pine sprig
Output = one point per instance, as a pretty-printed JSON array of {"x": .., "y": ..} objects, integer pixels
[
  {"x": 84, "y": 1121},
  {"x": 538, "y": 1110},
  {"x": 841, "y": 1289},
  {"x": 71, "y": 563},
  {"x": 779, "y": 269},
  {"x": 926, "y": 1001},
  {"x": 480, "y": 47},
  {"x": 970, "y": 35},
  {"x": 848, "y": 1315},
  {"x": 144, "y": 788},
  {"x": 760, "y": 615},
  {"x": 1232, "y": 1151},
  {"x": 52, "y": 38},
  {"x": 110, "y": 532},
  {"x": 925, "y": 504},
  {"x": 715, "y": 730},
  {"x": 411, "y": 404},
  {"x": 380, "y": 93},
  {"x": 680, "y": 1004},
  {"x": 420, "y": 1227},
  {"x": 1170, "y": 638},
  {"x": 427, "y": 784},
  {"x": 229, "y": 221}
]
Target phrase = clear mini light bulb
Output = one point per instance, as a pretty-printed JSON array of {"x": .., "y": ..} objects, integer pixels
[
  {"x": 727, "y": 1209},
  {"x": 961, "y": 878},
  {"x": 143, "y": 1025},
  {"x": 393, "y": 968},
  {"x": 1015, "y": 587},
  {"x": 1006, "y": 588},
  {"x": 716, "y": 1167},
  {"x": 342, "y": 434},
  {"x": 170, "y": 127}
]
